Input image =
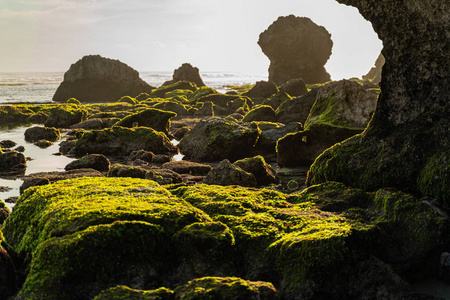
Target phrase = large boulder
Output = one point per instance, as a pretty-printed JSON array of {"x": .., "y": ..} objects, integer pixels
[
  {"x": 407, "y": 142},
  {"x": 186, "y": 73},
  {"x": 35, "y": 134},
  {"x": 296, "y": 48},
  {"x": 12, "y": 162},
  {"x": 118, "y": 141},
  {"x": 215, "y": 139},
  {"x": 261, "y": 113},
  {"x": 97, "y": 162},
  {"x": 225, "y": 173},
  {"x": 97, "y": 79},
  {"x": 297, "y": 109},
  {"x": 263, "y": 89},
  {"x": 152, "y": 117},
  {"x": 65, "y": 116},
  {"x": 294, "y": 87},
  {"x": 263, "y": 172},
  {"x": 271, "y": 133}
]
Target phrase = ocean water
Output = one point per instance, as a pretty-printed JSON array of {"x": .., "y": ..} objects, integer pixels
[{"x": 40, "y": 87}]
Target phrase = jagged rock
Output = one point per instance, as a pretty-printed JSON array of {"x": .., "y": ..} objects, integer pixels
[
  {"x": 35, "y": 134},
  {"x": 294, "y": 87},
  {"x": 187, "y": 167},
  {"x": 264, "y": 173},
  {"x": 215, "y": 139},
  {"x": 12, "y": 162},
  {"x": 374, "y": 74},
  {"x": 186, "y": 73},
  {"x": 407, "y": 142},
  {"x": 206, "y": 109},
  {"x": 97, "y": 79},
  {"x": 225, "y": 173},
  {"x": 297, "y": 109},
  {"x": 97, "y": 162},
  {"x": 122, "y": 141},
  {"x": 296, "y": 48},
  {"x": 154, "y": 118},
  {"x": 263, "y": 89},
  {"x": 261, "y": 113}
]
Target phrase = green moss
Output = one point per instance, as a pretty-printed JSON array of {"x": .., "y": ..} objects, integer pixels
[
  {"x": 14, "y": 114},
  {"x": 128, "y": 99},
  {"x": 183, "y": 93},
  {"x": 241, "y": 89},
  {"x": 202, "y": 91},
  {"x": 73, "y": 101},
  {"x": 180, "y": 85},
  {"x": 125, "y": 293},
  {"x": 434, "y": 179}
]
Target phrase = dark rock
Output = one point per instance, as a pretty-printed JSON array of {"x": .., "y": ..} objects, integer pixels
[
  {"x": 43, "y": 144},
  {"x": 297, "y": 109},
  {"x": 97, "y": 162},
  {"x": 4, "y": 212},
  {"x": 20, "y": 149},
  {"x": 180, "y": 85},
  {"x": 214, "y": 139},
  {"x": 12, "y": 162},
  {"x": 118, "y": 170},
  {"x": 164, "y": 176},
  {"x": 128, "y": 99},
  {"x": 260, "y": 113},
  {"x": 44, "y": 178},
  {"x": 157, "y": 119},
  {"x": 225, "y": 173},
  {"x": 174, "y": 107},
  {"x": 230, "y": 288},
  {"x": 264, "y": 173},
  {"x": 160, "y": 159},
  {"x": 180, "y": 132},
  {"x": 94, "y": 124},
  {"x": 294, "y": 87},
  {"x": 9, "y": 282},
  {"x": 263, "y": 89},
  {"x": 206, "y": 109},
  {"x": 64, "y": 117},
  {"x": 374, "y": 74},
  {"x": 271, "y": 133},
  {"x": 277, "y": 99},
  {"x": 123, "y": 292},
  {"x": 65, "y": 147},
  {"x": 7, "y": 144},
  {"x": 10, "y": 114},
  {"x": 187, "y": 167},
  {"x": 4, "y": 189},
  {"x": 187, "y": 73},
  {"x": 297, "y": 48},
  {"x": 35, "y": 134},
  {"x": 142, "y": 155},
  {"x": 122, "y": 141},
  {"x": 97, "y": 79},
  {"x": 38, "y": 118}
]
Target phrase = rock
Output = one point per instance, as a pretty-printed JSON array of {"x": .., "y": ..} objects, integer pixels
[
  {"x": 157, "y": 119},
  {"x": 271, "y": 134},
  {"x": 4, "y": 212},
  {"x": 65, "y": 116},
  {"x": 180, "y": 85},
  {"x": 43, "y": 178},
  {"x": 409, "y": 131},
  {"x": 277, "y": 99},
  {"x": 225, "y": 173},
  {"x": 180, "y": 133},
  {"x": 43, "y": 144},
  {"x": 215, "y": 139},
  {"x": 296, "y": 48},
  {"x": 206, "y": 109},
  {"x": 97, "y": 79},
  {"x": 142, "y": 155},
  {"x": 374, "y": 74},
  {"x": 119, "y": 170},
  {"x": 12, "y": 162},
  {"x": 20, "y": 149},
  {"x": 294, "y": 87},
  {"x": 262, "y": 171},
  {"x": 160, "y": 159},
  {"x": 226, "y": 104},
  {"x": 187, "y": 167},
  {"x": 97, "y": 162},
  {"x": 230, "y": 288},
  {"x": 9, "y": 278},
  {"x": 297, "y": 109},
  {"x": 263, "y": 89},
  {"x": 14, "y": 115},
  {"x": 95, "y": 123},
  {"x": 121, "y": 141},
  {"x": 38, "y": 118},
  {"x": 35, "y": 134},
  {"x": 7, "y": 144},
  {"x": 65, "y": 147},
  {"x": 260, "y": 113},
  {"x": 123, "y": 292},
  {"x": 174, "y": 107},
  {"x": 342, "y": 103},
  {"x": 201, "y": 92},
  {"x": 128, "y": 99},
  {"x": 164, "y": 176},
  {"x": 444, "y": 266},
  {"x": 186, "y": 73}
]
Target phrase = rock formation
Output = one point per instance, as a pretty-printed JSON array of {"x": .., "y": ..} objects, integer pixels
[
  {"x": 297, "y": 48},
  {"x": 374, "y": 74},
  {"x": 407, "y": 142},
  {"x": 186, "y": 73},
  {"x": 97, "y": 79}
]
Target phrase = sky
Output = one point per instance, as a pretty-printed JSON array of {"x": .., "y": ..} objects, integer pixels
[{"x": 160, "y": 35}]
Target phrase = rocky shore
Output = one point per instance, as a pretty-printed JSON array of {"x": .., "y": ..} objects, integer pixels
[{"x": 126, "y": 221}]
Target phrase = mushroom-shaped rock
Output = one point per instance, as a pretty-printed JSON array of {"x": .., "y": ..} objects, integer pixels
[
  {"x": 225, "y": 173},
  {"x": 263, "y": 172},
  {"x": 186, "y": 73},
  {"x": 215, "y": 139},
  {"x": 296, "y": 48},
  {"x": 154, "y": 118},
  {"x": 97, "y": 79},
  {"x": 97, "y": 162}
]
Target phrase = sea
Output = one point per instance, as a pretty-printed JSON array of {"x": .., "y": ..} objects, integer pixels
[{"x": 39, "y": 88}]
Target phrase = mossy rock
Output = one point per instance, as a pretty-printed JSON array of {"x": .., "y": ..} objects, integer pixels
[
  {"x": 297, "y": 109},
  {"x": 173, "y": 106},
  {"x": 277, "y": 99},
  {"x": 178, "y": 93},
  {"x": 227, "y": 288},
  {"x": 125, "y": 293},
  {"x": 180, "y": 85},
  {"x": 261, "y": 113},
  {"x": 122, "y": 141},
  {"x": 434, "y": 179},
  {"x": 154, "y": 118},
  {"x": 73, "y": 101},
  {"x": 14, "y": 115},
  {"x": 128, "y": 99},
  {"x": 202, "y": 91},
  {"x": 257, "y": 165},
  {"x": 66, "y": 115},
  {"x": 263, "y": 89}
]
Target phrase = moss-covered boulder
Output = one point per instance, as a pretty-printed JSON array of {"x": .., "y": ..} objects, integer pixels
[
  {"x": 122, "y": 141},
  {"x": 15, "y": 114},
  {"x": 297, "y": 109},
  {"x": 263, "y": 89},
  {"x": 119, "y": 170},
  {"x": 225, "y": 173},
  {"x": 294, "y": 87},
  {"x": 261, "y": 113},
  {"x": 143, "y": 155},
  {"x": 4, "y": 212},
  {"x": 65, "y": 116},
  {"x": 264, "y": 173},
  {"x": 229, "y": 288},
  {"x": 174, "y": 107},
  {"x": 34, "y": 134},
  {"x": 12, "y": 162},
  {"x": 9, "y": 278},
  {"x": 187, "y": 167},
  {"x": 180, "y": 85},
  {"x": 202, "y": 91},
  {"x": 271, "y": 133},
  {"x": 277, "y": 99},
  {"x": 215, "y": 139},
  {"x": 226, "y": 104},
  {"x": 157, "y": 119},
  {"x": 125, "y": 293},
  {"x": 97, "y": 162},
  {"x": 128, "y": 99}
]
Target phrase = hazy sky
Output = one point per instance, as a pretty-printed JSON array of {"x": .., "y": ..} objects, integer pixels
[{"x": 160, "y": 35}]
